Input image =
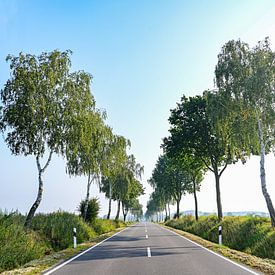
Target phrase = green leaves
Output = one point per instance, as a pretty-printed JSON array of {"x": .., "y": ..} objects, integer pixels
[
  {"x": 46, "y": 107},
  {"x": 249, "y": 91},
  {"x": 34, "y": 114},
  {"x": 170, "y": 179},
  {"x": 124, "y": 180}
]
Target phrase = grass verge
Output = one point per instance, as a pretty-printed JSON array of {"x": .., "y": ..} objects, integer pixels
[
  {"x": 38, "y": 266},
  {"x": 266, "y": 266}
]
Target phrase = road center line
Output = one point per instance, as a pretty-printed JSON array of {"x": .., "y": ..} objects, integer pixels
[
  {"x": 146, "y": 236},
  {"x": 148, "y": 252}
]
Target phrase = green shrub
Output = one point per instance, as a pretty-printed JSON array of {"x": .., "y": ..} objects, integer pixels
[
  {"x": 119, "y": 223},
  {"x": 18, "y": 246},
  {"x": 58, "y": 227},
  {"x": 265, "y": 247},
  {"x": 249, "y": 234},
  {"x": 102, "y": 226},
  {"x": 92, "y": 210}
]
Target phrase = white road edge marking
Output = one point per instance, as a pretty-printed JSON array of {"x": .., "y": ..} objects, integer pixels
[
  {"x": 85, "y": 251},
  {"x": 146, "y": 236},
  {"x": 148, "y": 252},
  {"x": 226, "y": 259}
]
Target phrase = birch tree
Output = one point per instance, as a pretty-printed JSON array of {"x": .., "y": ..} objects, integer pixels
[
  {"x": 115, "y": 152},
  {"x": 87, "y": 137},
  {"x": 38, "y": 106},
  {"x": 247, "y": 78}
]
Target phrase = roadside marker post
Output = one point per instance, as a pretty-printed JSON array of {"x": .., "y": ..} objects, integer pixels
[
  {"x": 220, "y": 235},
  {"x": 74, "y": 237}
]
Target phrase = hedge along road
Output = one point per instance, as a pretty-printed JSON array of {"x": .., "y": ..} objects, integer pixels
[{"x": 147, "y": 248}]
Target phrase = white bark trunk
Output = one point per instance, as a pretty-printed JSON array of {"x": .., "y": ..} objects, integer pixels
[{"x": 262, "y": 174}]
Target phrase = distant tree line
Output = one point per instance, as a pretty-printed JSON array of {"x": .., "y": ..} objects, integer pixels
[
  {"x": 47, "y": 109},
  {"x": 211, "y": 131}
]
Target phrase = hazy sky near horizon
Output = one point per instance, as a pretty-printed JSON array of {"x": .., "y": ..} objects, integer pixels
[{"x": 143, "y": 56}]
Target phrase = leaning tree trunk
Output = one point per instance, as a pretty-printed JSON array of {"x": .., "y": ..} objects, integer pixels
[
  {"x": 40, "y": 190},
  {"x": 87, "y": 197},
  {"x": 118, "y": 210},
  {"x": 262, "y": 175},
  {"x": 110, "y": 201},
  {"x": 195, "y": 199}
]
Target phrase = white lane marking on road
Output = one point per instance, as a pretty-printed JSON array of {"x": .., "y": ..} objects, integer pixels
[
  {"x": 145, "y": 230},
  {"x": 78, "y": 255},
  {"x": 226, "y": 259},
  {"x": 146, "y": 236},
  {"x": 148, "y": 252}
]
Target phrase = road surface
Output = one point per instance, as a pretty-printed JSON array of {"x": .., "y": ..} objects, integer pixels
[{"x": 147, "y": 248}]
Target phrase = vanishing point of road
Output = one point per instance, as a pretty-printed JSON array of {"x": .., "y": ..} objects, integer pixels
[{"x": 148, "y": 248}]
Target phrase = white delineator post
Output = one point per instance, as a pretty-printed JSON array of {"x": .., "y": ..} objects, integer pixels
[
  {"x": 74, "y": 237},
  {"x": 220, "y": 235}
]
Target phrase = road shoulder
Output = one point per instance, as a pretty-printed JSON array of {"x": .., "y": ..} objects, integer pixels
[
  {"x": 266, "y": 266},
  {"x": 53, "y": 260}
]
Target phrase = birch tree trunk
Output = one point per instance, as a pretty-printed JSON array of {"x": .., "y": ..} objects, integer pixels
[
  {"x": 169, "y": 211},
  {"x": 40, "y": 190},
  {"x": 262, "y": 174},
  {"x": 87, "y": 196},
  {"x": 110, "y": 201}
]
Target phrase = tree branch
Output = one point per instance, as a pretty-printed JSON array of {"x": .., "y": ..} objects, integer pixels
[
  {"x": 207, "y": 165},
  {"x": 223, "y": 169},
  {"x": 47, "y": 163}
]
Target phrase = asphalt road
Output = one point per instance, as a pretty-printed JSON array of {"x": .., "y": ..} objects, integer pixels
[{"x": 148, "y": 248}]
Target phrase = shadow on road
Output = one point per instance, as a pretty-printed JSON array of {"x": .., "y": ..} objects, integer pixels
[{"x": 131, "y": 247}]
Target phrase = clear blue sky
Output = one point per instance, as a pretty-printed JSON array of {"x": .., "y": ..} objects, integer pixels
[{"x": 143, "y": 56}]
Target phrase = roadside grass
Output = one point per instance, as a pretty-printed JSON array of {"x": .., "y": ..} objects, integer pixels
[
  {"x": 18, "y": 246},
  {"x": 266, "y": 266},
  {"x": 253, "y": 235},
  {"x": 57, "y": 229},
  {"x": 49, "y": 261},
  {"x": 50, "y": 233}
]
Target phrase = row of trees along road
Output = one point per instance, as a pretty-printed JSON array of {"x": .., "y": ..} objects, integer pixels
[
  {"x": 46, "y": 110},
  {"x": 224, "y": 125}
]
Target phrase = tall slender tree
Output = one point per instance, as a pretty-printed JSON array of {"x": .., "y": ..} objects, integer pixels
[
  {"x": 40, "y": 100},
  {"x": 124, "y": 180},
  {"x": 115, "y": 152},
  {"x": 246, "y": 80}
]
